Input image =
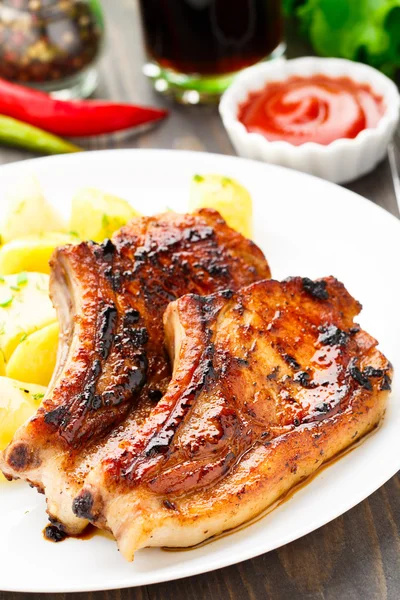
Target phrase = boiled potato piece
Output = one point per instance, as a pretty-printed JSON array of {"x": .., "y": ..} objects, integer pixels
[
  {"x": 25, "y": 307},
  {"x": 225, "y": 195},
  {"x": 26, "y": 211},
  {"x": 18, "y": 402},
  {"x": 34, "y": 358},
  {"x": 32, "y": 252},
  {"x": 96, "y": 215}
]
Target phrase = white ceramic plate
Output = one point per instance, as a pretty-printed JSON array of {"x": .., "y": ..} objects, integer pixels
[{"x": 305, "y": 226}]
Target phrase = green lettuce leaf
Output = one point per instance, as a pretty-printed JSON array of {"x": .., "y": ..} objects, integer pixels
[{"x": 363, "y": 30}]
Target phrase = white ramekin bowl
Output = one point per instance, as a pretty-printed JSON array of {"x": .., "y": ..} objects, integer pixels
[{"x": 341, "y": 161}]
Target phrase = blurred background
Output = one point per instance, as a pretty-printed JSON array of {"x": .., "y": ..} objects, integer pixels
[{"x": 170, "y": 53}]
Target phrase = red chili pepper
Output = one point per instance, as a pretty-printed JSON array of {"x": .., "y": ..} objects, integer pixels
[{"x": 73, "y": 118}]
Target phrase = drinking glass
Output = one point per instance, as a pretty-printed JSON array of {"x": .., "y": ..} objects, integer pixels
[{"x": 195, "y": 47}]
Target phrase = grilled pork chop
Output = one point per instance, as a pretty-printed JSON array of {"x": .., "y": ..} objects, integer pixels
[
  {"x": 112, "y": 366},
  {"x": 269, "y": 383}
]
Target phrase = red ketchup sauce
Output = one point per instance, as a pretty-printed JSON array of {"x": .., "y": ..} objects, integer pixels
[{"x": 316, "y": 109}]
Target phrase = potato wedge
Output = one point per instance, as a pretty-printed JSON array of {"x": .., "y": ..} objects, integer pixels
[
  {"x": 25, "y": 307},
  {"x": 225, "y": 195},
  {"x": 18, "y": 402},
  {"x": 2, "y": 364},
  {"x": 26, "y": 211},
  {"x": 32, "y": 253},
  {"x": 34, "y": 358},
  {"x": 96, "y": 215}
]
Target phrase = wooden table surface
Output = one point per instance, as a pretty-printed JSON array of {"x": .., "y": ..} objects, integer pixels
[{"x": 358, "y": 554}]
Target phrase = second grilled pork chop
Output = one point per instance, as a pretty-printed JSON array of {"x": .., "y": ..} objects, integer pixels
[
  {"x": 112, "y": 366},
  {"x": 269, "y": 383}
]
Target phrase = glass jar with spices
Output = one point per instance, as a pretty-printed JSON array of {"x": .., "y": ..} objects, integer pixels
[{"x": 52, "y": 45}]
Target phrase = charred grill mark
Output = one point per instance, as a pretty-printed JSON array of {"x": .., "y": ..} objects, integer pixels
[
  {"x": 107, "y": 323},
  {"x": 362, "y": 377},
  {"x": 155, "y": 395},
  {"x": 371, "y": 372},
  {"x": 96, "y": 402},
  {"x": 242, "y": 362},
  {"x": 359, "y": 377},
  {"x": 131, "y": 317},
  {"x": 317, "y": 289},
  {"x": 116, "y": 280},
  {"x": 21, "y": 457},
  {"x": 332, "y": 336},
  {"x": 82, "y": 506},
  {"x": 154, "y": 292},
  {"x": 105, "y": 250},
  {"x": 200, "y": 233},
  {"x": 53, "y": 534},
  {"x": 56, "y": 417},
  {"x": 386, "y": 384},
  {"x": 170, "y": 505},
  {"x": 138, "y": 336},
  {"x": 216, "y": 268},
  {"x": 140, "y": 255},
  {"x": 89, "y": 389},
  {"x": 273, "y": 375},
  {"x": 323, "y": 408},
  {"x": 304, "y": 379},
  {"x": 291, "y": 361}
]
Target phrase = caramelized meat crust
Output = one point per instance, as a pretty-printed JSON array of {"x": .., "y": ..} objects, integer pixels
[
  {"x": 112, "y": 365},
  {"x": 269, "y": 382},
  {"x": 150, "y": 262}
]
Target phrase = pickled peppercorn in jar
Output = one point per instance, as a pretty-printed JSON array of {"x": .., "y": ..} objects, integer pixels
[{"x": 52, "y": 45}]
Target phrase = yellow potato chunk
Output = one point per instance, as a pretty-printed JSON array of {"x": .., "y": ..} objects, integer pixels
[
  {"x": 25, "y": 307},
  {"x": 18, "y": 402},
  {"x": 2, "y": 364},
  {"x": 34, "y": 358},
  {"x": 26, "y": 211},
  {"x": 32, "y": 252},
  {"x": 96, "y": 215},
  {"x": 225, "y": 195}
]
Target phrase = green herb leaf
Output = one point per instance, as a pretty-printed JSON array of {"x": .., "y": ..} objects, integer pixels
[
  {"x": 23, "y": 337},
  {"x": 73, "y": 233},
  {"x": 37, "y": 396},
  {"x": 198, "y": 178},
  {"x": 22, "y": 278}
]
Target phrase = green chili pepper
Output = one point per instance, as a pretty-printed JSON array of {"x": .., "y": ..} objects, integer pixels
[{"x": 17, "y": 133}]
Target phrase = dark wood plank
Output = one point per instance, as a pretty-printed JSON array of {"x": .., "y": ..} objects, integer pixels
[{"x": 357, "y": 556}]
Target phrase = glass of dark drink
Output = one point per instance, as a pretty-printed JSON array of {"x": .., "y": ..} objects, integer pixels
[{"x": 195, "y": 47}]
